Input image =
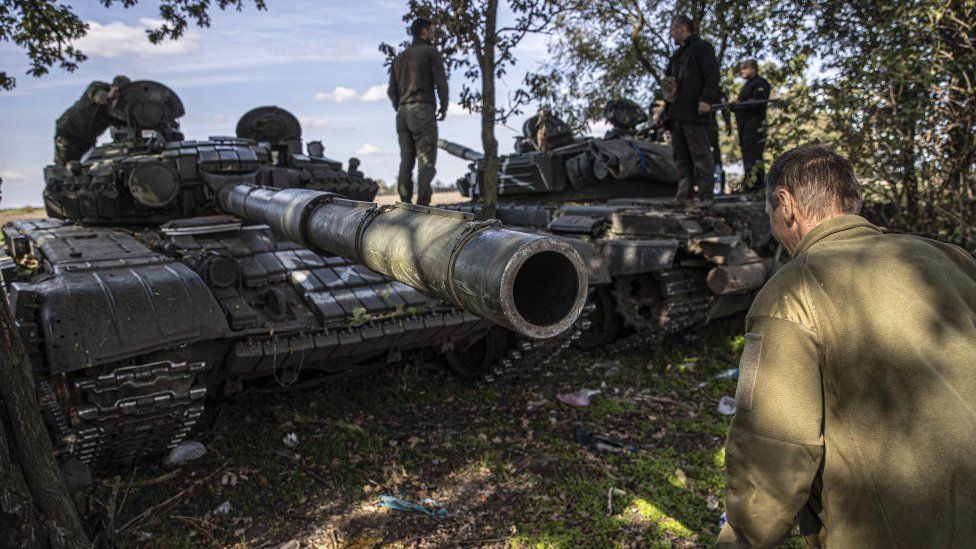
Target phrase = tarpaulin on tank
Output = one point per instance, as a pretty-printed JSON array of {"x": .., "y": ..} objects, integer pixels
[
  {"x": 627, "y": 158},
  {"x": 109, "y": 297}
]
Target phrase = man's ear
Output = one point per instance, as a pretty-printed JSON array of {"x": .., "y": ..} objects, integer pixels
[{"x": 785, "y": 200}]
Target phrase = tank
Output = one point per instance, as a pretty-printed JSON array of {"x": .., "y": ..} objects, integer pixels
[
  {"x": 656, "y": 265},
  {"x": 171, "y": 270}
]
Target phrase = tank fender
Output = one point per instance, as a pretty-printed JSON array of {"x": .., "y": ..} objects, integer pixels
[{"x": 627, "y": 257}]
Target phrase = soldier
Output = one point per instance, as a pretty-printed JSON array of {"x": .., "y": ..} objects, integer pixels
[
  {"x": 856, "y": 400},
  {"x": 78, "y": 128},
  {"x": 353, "y": 169},
  {"x": 416, "y": 74},
  {"x": 691, "y": 86},
  {"x": 751, "y": 124}
]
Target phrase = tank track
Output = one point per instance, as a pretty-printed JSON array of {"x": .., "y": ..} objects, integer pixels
[
  {"x": 686, "y": 302},
  {"x": 526, "y": 358},
  {"x": 135, "y": 412}
]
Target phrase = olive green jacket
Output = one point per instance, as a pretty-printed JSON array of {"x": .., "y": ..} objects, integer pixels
[
  {"x": 416, "y": 75},
  {"x": 857, "y": 396}
]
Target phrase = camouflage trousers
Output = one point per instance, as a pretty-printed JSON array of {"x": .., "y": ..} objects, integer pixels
[
  {"x": 67, "y": 149},
  {"x": 416, "y": 125}
]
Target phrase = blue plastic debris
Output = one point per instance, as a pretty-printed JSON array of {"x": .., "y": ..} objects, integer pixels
[{"x": 398, "y": 504}]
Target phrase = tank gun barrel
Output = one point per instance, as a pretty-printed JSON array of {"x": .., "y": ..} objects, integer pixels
[
  {"x": 460, "y": 151},
  {"x": 532, "y": 284}
]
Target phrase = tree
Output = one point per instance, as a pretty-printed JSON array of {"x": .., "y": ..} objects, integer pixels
[
  {"x": 473, "y": 41},
  {"x": 606, "y": 49},
  {"x": 47, "y": 30},
  {"x": 903, "y": 103}
]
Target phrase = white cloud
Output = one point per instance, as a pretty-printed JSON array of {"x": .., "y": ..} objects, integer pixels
[
  {"x": 368, "y": 148},
  {"x": 315, "y": 122},
  {"x": 375, "y": 93},
  {"x": 454, "y": 110},
  {"x": 10, "y": 177},
  {"x": 342, "y": 94},
  {"x": 116, "y": 39}
]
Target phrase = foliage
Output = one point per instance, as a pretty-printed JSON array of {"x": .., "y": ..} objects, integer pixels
[
  {"x": 890, "y": 85},
  {"x": 47, "y": 31},
  {"x": 902, "y": 104},
  {"x": 607, "y": 49}
]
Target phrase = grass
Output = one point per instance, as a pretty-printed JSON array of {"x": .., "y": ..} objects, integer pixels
[{"x": 503, "y": 461}]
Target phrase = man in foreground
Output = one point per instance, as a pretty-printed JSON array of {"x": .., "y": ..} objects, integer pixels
[
  {"x": 416, "y": 74},
  {"x": 751, "y": 124},
  {"x": 856, "y": 401},
  {"x": 77, "y": 130},
  {"x": 691, "y": 86}
]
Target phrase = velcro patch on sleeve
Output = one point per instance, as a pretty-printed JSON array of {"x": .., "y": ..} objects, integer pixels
[{"x": 748, "y": 370}]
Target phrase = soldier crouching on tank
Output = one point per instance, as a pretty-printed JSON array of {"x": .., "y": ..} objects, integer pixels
[
  {"x": 353, "y": 169},
  {"x": 856, "y": 400},
  {"x": 77, "y": 130},
  {"x": 417, "y": 73},
  {"x": 690, "y": 87}
]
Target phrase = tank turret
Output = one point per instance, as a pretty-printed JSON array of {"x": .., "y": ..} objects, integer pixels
[
  {"x": 550, "y": 163},
  {"x": 149, "y": 174}
]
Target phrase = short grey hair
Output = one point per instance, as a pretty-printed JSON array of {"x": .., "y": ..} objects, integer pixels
[{"x": 822, "y": 181}]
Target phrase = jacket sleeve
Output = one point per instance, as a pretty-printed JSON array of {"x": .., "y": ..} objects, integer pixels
[
  {"x": 708, "y": 65},
  {"x": 775, "y": 443},
  {"x": 393, "y": 90},
  {"x": 440, "y": 79}
]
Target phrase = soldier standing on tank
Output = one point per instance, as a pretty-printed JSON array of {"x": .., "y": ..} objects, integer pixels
[
  {"x": 691, "y": 86},
  {"x": 77, "y": 130},
  {"x": 751, "y": 124},
  {"x": 856, "y": 399},
  {"x": 417, "y": 73}
]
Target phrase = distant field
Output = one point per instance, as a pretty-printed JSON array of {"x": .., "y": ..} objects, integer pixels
[
  {"x": 446, "y": 197},
  {"x": 13, "y": 214}
]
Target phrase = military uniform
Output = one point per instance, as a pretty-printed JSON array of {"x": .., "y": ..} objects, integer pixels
[
  {"x": 78, "y": 128},
  {"x": 857, "y": 396},
  {"x": 417, "y": 73},
  {"x": 695, "y": 73},
  {"x": 751, "y": 125}
]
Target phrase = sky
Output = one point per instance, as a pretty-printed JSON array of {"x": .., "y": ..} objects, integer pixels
[{"x": 319, "y": 60}]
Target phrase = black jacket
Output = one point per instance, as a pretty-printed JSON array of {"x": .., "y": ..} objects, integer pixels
[
  {"x": 754, "y": 89},
  {"x": 416, "y": 73},
  {"x": 695, "y": 68},
  {"x": 88, "y": 118}
]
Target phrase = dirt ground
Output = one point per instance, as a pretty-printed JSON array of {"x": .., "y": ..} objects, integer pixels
[{"x": 490, "y": 467}]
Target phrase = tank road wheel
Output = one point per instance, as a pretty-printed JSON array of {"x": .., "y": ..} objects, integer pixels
[
  {"x": 503, "y": 355},
  {"x": 639, "y": 301},
  {"x": 663, "y": 302},
  {"x": 478, "y": 359},
  {"x": 606, "y": 323}
]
